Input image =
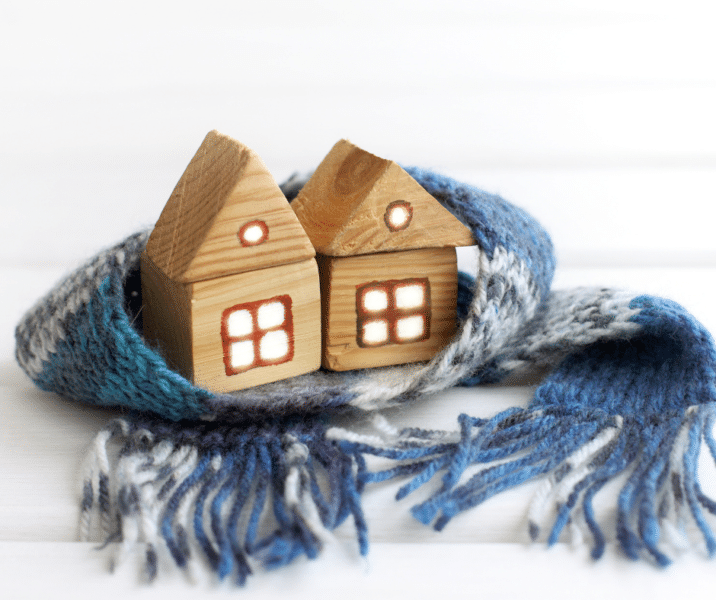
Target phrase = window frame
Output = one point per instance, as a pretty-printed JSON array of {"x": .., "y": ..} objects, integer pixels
[
  {"x": 391, "y": 313},
  {"x": 244, "y": 228},
  {"x": 406, "y": 206},
  {"x": 257, "y": 334}
]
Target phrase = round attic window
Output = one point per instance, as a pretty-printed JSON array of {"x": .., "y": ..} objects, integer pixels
[
  {"x": 398, "y": 215},
  {"x": 253, "y": 233}
]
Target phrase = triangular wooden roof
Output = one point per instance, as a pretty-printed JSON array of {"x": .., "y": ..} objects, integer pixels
[
  {"x": 225, "y": 187},
  {"x": 343, "y": 207}
]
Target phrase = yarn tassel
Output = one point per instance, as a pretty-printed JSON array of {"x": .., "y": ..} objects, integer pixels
[
  {"x": 228, "y": 495},
  {"x": 631, "y": 389},
  {"x": 577, "y": 452}
]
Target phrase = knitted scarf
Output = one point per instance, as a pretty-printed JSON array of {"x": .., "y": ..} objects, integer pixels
[{"x": 259, "y": 476}]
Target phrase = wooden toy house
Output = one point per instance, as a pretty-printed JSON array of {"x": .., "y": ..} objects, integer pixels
[
  {"x": 386, "y": 254},
  {"x": 230, "y": 285}
]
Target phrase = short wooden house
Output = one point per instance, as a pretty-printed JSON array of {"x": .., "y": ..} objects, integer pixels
[
  {"x": 230, "y": 285},
  {"x": 386, "y": 254}
]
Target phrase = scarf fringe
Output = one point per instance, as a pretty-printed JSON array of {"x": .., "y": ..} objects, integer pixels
[
  {"x": 260, "y": 494},
  {"x": 576, "y": 452}
]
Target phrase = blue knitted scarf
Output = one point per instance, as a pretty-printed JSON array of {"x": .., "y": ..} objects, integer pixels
[{"x": 259, "y": 477}]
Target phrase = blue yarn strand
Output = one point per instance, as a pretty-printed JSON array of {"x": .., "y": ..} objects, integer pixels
[
  {"x": 467, "y": 445},
  {"x": 691, "y": 458},
  {"x": 630, "y": 542},
  {"x": 624, "y": 454},
  {"x": 331, "y": 460},
  {"x": 245, "y": 481},
  {"x": 706, "y": 415},
  {"x": 426, "y": 470},
  {"x": 178, "y": 548},
  {"x": 210, "y": 482},
  {"x": 213, "y": 556},
  {"x": 263, "y": 476},
  {"x": 236, "y": 461},
  {"x": 352, "y": 498},
  {"x": 493, "y": 480},
  {"x": 649, "y": 528},
  {"x": 513, "y": 474},
  {"x": 483, "y": 449},
  {"x": 565, "y": 510},
  {"x": 542, "y": 426},
  {"x": 710, "y": 421}
]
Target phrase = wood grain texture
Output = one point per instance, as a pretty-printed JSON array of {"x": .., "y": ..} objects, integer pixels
[
  {"x": 42, "y": 484},
  {"x": 225, "y": 186},
  {"x": 211, "y": 298},
  {"x": 340, "y": 276},
  {"x": 522, "y": 98},
  {"x": 166, "y": 316},
  {"x": 343, "y": 207},
  {"x": 183, "y": 321}
]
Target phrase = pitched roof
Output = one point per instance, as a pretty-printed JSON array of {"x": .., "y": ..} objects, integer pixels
[
  {"x": 225, "y": 188},
  {"x": 346, "y": 207}
]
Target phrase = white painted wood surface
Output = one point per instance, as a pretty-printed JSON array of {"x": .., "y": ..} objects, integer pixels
[{"x": 597, "y": 117}]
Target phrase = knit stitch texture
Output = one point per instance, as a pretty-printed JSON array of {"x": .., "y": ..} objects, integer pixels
[{"x": 630, "y": 389}]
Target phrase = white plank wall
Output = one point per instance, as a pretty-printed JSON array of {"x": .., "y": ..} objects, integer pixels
[{"x": 597, "y": 117}]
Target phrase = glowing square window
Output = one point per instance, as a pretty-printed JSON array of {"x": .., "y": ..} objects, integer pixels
[
  {"x": 242, "y": 354},
  {"x": 393, "y": 312},
  {"x": 257, "y": 334},
  {"x": 271, "y": 314},
  {"x": 240, "y": 323},
  {"x": 375, "y": 300},
  {"x": 410, "y": 328},
  {"x": 409, "y": 296},
  {"x": 375, "y": 332},
  {"x": 274, "y": 345}
]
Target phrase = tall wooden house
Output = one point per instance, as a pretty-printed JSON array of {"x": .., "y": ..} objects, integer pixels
[
  {"x": 386, "y": 253},
  {"x": 230, "y": 285}
]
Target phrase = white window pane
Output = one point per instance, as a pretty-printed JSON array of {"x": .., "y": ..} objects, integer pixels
[
  {"x": 271, "y": 314},
  {"x": 240, "y": 323},
  {"x": 274, "y": 345},
  {"x": 375, "y": 332},
  {"x": 397, "y": 216},
  {"x": 252, "y": 234},
  {"x": 242, "y": 354},
  {"x": 410, "y": 296},
  {"x": 410, "y": 328},
  {"x": 374, "y": 300}
]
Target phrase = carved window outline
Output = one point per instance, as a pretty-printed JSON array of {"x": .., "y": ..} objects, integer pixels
[
  {"x": 391, "y": 314},
  {"x": 257, "y": 334},
  {"x": 244, "y": 228},
  {"x": 405, "y": 205}
]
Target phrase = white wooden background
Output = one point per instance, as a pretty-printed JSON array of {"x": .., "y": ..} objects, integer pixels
[{"x": 596, "y": 116}]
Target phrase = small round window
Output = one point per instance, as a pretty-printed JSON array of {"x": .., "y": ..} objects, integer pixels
[
  {"x": 398, "y": 215},
  {"x": 253, "y": 233}
]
